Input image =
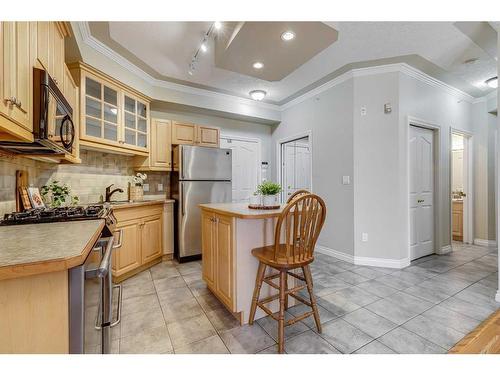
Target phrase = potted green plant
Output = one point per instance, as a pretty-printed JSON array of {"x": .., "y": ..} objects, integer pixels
[
  {"x": 269, "y": 191},
  {"x": 57, "y": 195}
]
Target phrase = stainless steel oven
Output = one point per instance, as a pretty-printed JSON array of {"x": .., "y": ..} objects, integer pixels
[{"x": 91, "y": 300}]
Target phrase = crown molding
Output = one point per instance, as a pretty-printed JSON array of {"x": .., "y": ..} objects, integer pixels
[
  {"x": 100, "y": 47},
  {"x": 88, "y": 39}
]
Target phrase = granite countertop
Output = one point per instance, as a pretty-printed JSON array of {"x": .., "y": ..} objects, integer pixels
[
  {"x": 145, "y": 202},
  {"x": 31, "y": 249},
  {"x": 241, "y": 210}
]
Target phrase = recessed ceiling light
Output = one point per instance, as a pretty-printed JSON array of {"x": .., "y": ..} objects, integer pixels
[
  {"x": 492, "y": 82},
  {"x": 204, "y": 47},
  {"x": 258, "y": 65},
  {"x": 288, "y": 35},
  {"x": 258, "y": 94},
  {"x": 217, "y": 25}
]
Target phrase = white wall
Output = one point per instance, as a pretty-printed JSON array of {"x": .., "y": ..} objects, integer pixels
[
  {"x": 378, "y": 209},
  {"x": 329, "y": 117},
  {"x": 484, "y": 171}
]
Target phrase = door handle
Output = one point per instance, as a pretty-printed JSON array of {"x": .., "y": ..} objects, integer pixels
[
  {"x": 183, "y": 211},
  {"x": 421, "y": 201}
]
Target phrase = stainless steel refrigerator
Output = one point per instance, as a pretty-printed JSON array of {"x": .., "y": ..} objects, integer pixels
[{"x": 204, "y": 176}]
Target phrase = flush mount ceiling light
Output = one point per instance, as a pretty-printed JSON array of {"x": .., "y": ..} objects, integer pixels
[
  {"x": 492, "y": 82},
  {"x": 288, "y": 35},
  {"x": 257, "y": 94},
  {"x": 258, "y": 65}
]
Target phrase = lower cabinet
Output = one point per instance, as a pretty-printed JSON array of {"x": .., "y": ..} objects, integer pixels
[
  {"x": 218, "y": 256},
  {"x": 142, "y": 239}
]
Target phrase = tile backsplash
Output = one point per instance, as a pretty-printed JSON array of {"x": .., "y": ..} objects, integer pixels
[{"x": 88, "y": 180}]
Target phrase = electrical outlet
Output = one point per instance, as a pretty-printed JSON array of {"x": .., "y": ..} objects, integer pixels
[
  {"x": 160, "y": 187},
  {"x": 364, "y": 237},
  {"x": 346, "y": 180},
  {"x": 363, "y": 111},
  {"x": 145, "y": 187}
]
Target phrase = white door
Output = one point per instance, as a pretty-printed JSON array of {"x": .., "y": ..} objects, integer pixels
[
  {"x": 246, "y": 160},
  {"x": 296, "y": 166},
  {"x": 421, "y": 192}
]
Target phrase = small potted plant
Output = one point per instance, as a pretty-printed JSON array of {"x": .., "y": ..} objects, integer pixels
[
  {"x": 58, "y": 195},
  {"x": 269, "y": 191},
  {"x": 136, "y": 191}
]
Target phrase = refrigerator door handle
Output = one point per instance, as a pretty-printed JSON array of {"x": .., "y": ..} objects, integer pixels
[
  {"x": 183, "y": 208},
  {"x": 181, "y": 155}
]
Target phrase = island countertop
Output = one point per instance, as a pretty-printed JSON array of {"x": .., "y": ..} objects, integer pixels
[
  {"x": 240, "y": 210},
  {"x": 32, "y": 249}
]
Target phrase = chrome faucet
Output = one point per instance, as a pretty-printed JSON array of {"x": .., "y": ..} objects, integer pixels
[{"x": 110, "y": 192}]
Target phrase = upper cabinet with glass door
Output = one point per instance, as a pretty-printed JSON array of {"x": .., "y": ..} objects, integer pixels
[
  {"x": 100, "y": 105},
  {"x": 135, "y": 114},
  {"x": 114, "y": 118}
]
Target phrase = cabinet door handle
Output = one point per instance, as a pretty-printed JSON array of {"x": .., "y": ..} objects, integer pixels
[{"x": 12, "y": 100}]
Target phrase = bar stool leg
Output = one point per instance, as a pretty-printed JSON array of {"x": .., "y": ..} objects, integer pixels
[
  {"x": 286, "y": 288},
  {"x": 258, "y": 284},
  {"x": 281, "y": 319},
  {"x": 307, "y": 275}
]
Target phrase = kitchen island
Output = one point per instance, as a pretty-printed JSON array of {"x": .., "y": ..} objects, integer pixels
[
  {"x": 34, "y": 300},
  {"x": 229, "y": 233}
]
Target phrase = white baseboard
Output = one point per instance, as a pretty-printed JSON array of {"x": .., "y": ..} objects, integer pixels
[
  {"x": 497, "y": 296},
  {"x": 444, "y": 250},
  {"x": 364, "y": 261},
  {"x": 486, "y": 243}
]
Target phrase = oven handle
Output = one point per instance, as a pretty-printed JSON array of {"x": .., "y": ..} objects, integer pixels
[{"x": 102, "y": 270}]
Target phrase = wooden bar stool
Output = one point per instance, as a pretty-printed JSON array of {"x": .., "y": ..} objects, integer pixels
[
  {"x": 296, "y": 194},
  {"x": 295, "y": 236}
]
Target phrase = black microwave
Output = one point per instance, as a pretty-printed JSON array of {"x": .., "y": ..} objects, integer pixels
[{"x": 53, "y": 128}]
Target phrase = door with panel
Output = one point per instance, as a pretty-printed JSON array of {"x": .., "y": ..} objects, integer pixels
[
  {"x": 224, "y": 255},
  {"x": 151, "y": 238},
  {"x": 421, "y": 198},
  {"x": 128, "y": 256},
  {"x": 245, "y": 167}
]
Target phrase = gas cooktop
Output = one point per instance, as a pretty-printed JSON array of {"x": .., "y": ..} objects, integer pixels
[{"x": 48, "y": 215}]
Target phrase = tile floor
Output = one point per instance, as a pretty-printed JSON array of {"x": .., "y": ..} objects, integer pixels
[{"x": 424, "y": 308}]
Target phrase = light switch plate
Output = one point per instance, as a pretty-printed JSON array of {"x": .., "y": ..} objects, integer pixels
[
  {"x": 346, "y": 180},
  {"x": 364, "y": 237},
  {"x": 160, "y": 187},
  {"x": 145, "y": 187},
  {"x": 363, "y": 111}
]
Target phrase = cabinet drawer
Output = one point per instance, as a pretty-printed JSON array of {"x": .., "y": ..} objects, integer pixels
[{"x": 132, "y": 213}]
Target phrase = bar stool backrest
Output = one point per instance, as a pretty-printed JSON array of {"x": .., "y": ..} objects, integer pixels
[{"x": 298, "y": 228}]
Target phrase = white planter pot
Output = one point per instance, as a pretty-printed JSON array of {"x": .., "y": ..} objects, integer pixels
[
  {"x": 255, "y": 199},
  {"x": 269, "y": 200}
]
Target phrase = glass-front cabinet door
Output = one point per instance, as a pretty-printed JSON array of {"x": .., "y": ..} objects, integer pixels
[
  {"x": 135, "y": 114},
  {"x": 101, "y": 117}
]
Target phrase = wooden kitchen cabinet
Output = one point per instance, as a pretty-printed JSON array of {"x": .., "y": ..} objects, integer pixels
[
  {"x": 183, "y": 133},
  {"x": 128, "y": 256},
  {"x": 151, "y": 232},
  {"x": 208, "y": 248},
  {"x": 160, "y": 155},
  {"x": 142, "y": 241},
  {"x": 16, "y": 80},
  {"x": 218, "y": 256},
  {"x": 192, "y": 134},
  {"x": 113, "y": 117},
  {"x": 207, "y": 136}
]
